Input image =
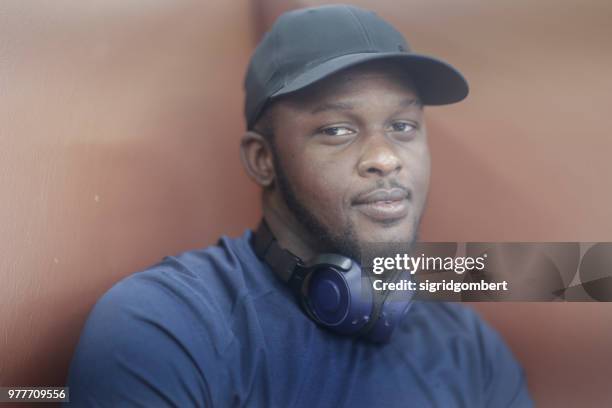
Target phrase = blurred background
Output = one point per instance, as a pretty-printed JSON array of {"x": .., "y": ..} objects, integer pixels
[{"x": 120, "y": 123}]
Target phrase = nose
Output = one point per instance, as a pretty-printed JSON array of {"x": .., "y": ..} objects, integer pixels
[{"x": 379, "y": 158}]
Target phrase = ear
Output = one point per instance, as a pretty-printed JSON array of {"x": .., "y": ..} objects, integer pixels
[{"x": 256, "y": 155}]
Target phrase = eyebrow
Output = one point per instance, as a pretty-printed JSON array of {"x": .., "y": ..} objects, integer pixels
[
  {"x": 332, "y": 106},
  {"x": 344, "y": 106},
  {"x": 411, "y": 101}
]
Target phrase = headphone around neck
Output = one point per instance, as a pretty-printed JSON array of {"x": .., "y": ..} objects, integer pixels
[{"x": 333, "y": 292}]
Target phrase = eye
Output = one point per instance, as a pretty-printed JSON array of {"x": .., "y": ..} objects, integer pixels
[
  {"x": 404, "y": 127},
  {"x": 336, "y": 131}
]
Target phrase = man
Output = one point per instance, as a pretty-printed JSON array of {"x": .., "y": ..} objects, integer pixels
[{"x": 336, "y": 139}]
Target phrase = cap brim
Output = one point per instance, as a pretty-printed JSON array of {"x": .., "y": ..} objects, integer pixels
[{"x": 437, "y": 82}]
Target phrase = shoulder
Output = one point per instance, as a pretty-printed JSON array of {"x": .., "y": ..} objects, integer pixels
[
  {"x": 456, "y": 331},
  {"x": 157, "y": 331},
  {"x": 194, "y": 289}
]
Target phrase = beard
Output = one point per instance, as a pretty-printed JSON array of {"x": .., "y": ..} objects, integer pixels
[{"x": 344, "y": 242}]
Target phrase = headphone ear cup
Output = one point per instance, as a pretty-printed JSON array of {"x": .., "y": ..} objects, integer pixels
[
  {"x": 335, "y": 299},
  {"x": 395, "y": 305}
]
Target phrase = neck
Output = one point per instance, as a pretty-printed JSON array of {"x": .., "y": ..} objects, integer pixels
[{"x": 287, "y": 230}]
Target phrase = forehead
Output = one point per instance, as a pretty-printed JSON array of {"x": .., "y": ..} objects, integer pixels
[{"x": 356, "y": 82}]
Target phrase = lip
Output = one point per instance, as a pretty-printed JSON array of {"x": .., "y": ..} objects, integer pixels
[{"x": 384, "y": 205}]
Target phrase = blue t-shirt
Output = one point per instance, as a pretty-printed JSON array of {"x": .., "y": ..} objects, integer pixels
[{"x": 216, "y": 328}]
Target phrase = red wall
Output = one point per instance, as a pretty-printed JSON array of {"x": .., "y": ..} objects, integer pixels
[{"x": 120, "y": 127}]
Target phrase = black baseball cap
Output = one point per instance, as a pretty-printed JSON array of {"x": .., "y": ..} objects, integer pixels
[{"x": 306, "y": 45}]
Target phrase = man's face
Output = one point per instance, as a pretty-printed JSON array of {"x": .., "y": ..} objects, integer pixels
[{"x": 352, "y": 159}]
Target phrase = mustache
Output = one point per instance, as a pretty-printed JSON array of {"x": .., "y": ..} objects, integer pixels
[{"x": 389, "y": 190}]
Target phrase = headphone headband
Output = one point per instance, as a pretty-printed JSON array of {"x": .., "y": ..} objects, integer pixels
[{"x": 282, "y": 262}]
